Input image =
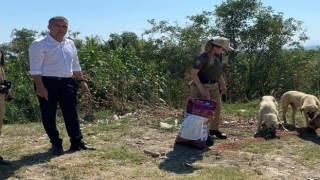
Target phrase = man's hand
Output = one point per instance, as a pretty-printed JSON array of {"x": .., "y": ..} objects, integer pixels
[
  {"x": 42, "y": 92},
  {"x": 84, "y": 87}
]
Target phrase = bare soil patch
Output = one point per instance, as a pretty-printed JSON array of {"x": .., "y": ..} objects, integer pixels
[
  {"x": 276, "y": 164},
  {"x": 165, "y": 159}
]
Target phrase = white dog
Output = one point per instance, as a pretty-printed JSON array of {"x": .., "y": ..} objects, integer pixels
[
  {"x": 268, "y": 116},
  {"x": 308, "y": 104}
]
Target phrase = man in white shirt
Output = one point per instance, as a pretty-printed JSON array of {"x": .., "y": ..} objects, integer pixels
[{"x": 55, "y": 67}]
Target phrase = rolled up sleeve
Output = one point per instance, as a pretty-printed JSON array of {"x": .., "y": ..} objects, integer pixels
[
  {"x": 76, "y": 65},
  {"x": 36, "y": 56}
]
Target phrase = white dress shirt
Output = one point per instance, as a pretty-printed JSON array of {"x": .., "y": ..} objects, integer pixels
[{"x": 49, "y": 57}]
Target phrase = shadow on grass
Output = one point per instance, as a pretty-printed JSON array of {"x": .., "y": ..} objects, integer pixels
[
  {"x": 308, "y": 136},
  {"x": 180, "y": 159},
  {"x": 305, "y": 134},
  {"x": 38, "y": 158}
]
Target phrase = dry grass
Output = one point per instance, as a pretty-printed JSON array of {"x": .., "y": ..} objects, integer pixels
[{"x": 135, "y": 147}]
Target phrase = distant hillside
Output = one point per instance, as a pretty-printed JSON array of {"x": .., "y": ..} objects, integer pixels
[{"x": 312, "y": 47}]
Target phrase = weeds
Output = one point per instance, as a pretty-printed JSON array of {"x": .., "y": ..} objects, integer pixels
[{"x": 122, "y": 143}]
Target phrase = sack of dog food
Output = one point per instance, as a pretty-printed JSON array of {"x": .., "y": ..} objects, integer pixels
[
  {"x": 193, "y": 131},
  {"x": 201, "y": 107}
]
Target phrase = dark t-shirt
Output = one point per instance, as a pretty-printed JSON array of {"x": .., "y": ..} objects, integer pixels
[{"x": 209, "y": 71}]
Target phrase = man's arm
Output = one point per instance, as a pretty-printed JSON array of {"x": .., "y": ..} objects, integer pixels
[
  {"x": 40, "y": 88},
  {"x": 82, "y": 82}
]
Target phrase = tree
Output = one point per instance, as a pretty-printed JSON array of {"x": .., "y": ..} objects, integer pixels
[
  {"x": 25, "y": 106},
  {"x": 260, "y": 36}
]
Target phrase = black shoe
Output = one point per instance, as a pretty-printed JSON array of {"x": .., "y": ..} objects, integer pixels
[
  {"x": 4, "y": 162},
  {"x": 81, "y": 146},
  {"x": 218, "y": 134},
  {"x": 57, "y": 150},
  {"x": 209, "y": 141}
]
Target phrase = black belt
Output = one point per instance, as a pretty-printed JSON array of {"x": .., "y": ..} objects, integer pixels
[
  {"x": 209, "y": 82},
  {"x": 56, "y": 78}
]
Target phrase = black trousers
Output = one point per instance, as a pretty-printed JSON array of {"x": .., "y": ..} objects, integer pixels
[{"x": 62, "y": 91}]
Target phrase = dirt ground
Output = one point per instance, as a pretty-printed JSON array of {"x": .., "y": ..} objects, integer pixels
[
  {"x": 286, "y": 160},
  {"x": 276, "y": 164}
]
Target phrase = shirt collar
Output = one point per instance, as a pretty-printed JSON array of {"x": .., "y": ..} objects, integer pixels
[{"x": 51, "y": 39}]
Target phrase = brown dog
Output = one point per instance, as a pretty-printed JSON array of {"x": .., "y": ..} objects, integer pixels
[{"x": 308, "y": 104}]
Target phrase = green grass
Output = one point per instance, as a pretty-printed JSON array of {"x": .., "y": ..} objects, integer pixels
[
  {"x": 119, "y": 156},
  {"x": 249, "y": 110},
  {"x": 218, "y": 172},
  {"x": 262, "y": 147},
  {"x": 122, "y": 155},
  {"x": 307, "y": 155},
  {"x": 103, "y": 114}
]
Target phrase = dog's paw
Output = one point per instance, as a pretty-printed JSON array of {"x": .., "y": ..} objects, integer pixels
[
  {"x": 283, "y": 129},
  {"x": 258, "y": 134}
]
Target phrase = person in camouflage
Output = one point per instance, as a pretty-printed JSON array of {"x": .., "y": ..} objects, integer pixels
[{"x": 208, "y": 79}]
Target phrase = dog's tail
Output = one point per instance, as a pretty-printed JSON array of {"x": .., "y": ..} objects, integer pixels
[
  {"x": 277, "y": 92},
  {"x": 273, "y": 93}
]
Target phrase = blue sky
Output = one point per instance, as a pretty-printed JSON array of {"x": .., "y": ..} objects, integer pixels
[{"x": 102, "y": 17}]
